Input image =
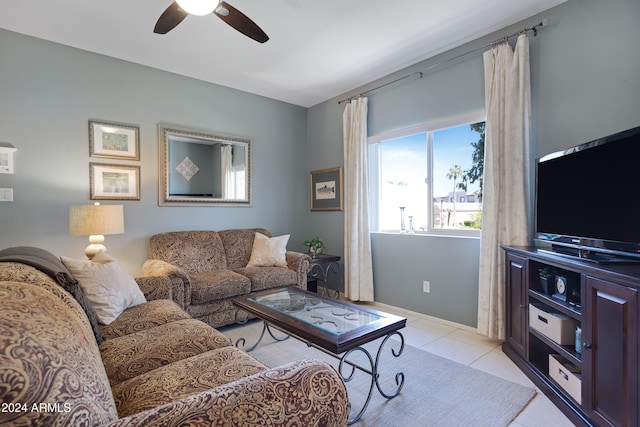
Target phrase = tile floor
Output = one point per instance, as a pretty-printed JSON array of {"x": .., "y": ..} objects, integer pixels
[{"x": 463, "y": 345}]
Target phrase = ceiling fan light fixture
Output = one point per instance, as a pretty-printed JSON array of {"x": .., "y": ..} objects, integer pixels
[
  {"x": 221, "y": 10},
  {"x": 198, "y": 7}
]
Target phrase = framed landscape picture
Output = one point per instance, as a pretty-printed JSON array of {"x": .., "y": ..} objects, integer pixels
[
  {"x": 114, "y": 182},
  {"x": 325, "y": 189},
  {"x": 114, "y": 141}
]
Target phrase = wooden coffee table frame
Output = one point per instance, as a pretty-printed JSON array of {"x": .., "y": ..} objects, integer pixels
[{"x": 340, "y": 346}]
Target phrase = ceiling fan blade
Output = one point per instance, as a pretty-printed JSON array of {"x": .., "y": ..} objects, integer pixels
[
  {"x": 169, "y": 19},
  {"x": 240, "y": 22}
]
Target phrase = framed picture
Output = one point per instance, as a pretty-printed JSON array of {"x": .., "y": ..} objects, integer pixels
[
  {"x": 325, "y": 188},
  {"x": 114, "y": 141},
  {"x": 114, "y": 182}
]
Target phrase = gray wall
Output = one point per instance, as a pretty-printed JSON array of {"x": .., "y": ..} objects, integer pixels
[
  {"x": 585, "y": 70},
  {"x": 48, "y": 92},
  {"x": 207, "y": 181}
]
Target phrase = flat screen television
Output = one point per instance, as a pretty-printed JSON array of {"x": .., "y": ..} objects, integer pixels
[{"x": 586, "y": 201}]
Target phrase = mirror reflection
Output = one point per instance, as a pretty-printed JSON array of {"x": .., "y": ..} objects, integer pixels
[{"x": 202, "y": 167}]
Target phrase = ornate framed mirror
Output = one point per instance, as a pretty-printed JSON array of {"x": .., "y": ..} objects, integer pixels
[{"x": 204, "y": 168}]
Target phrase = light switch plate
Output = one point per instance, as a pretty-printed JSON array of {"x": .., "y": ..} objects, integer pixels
[{"x": 6, "y": 194}]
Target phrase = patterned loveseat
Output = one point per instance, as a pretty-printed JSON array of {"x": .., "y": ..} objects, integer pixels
[
  {"x": 210, "y": 268},
  {"x": 157, "y": 366}
]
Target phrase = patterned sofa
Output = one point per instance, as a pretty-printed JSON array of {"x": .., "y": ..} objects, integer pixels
[
  {"x": 209, "y": 268},
  {"x": 157, "y": 367}
]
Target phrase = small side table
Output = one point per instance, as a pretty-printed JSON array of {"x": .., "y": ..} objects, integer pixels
[{"x": 321, "y": 265}]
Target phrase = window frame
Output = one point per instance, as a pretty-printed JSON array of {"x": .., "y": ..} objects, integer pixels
[{"x": 374, "y": 166}]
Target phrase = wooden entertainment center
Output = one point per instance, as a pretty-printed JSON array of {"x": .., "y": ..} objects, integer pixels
[{"x": 600, "y": 305}]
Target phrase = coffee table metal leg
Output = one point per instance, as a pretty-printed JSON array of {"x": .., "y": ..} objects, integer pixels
[
  {"x": 240, "y": 342},
  {"x": 399, "y": 375},
  {"x": 375, "y": 376}
]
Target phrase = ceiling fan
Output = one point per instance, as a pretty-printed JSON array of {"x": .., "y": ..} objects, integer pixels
[{"x": 179, "y": 9}]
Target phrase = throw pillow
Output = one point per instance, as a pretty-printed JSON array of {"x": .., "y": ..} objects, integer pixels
[
  {"x": 109, "y": 289},
  {"x": 269, "y": 252}
]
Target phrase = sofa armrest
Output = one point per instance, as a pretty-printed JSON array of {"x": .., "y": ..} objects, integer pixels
[
  {"x": 179, "y": 279},
  {"x": 301, "y": 264},
  {"x": 155, "y": 287},
  {"x": 306, "y": 393},
  {"x": 158, "y": 267}
]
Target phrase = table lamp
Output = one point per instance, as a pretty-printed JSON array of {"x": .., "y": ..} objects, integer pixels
[{"x": 95, "y": 221}]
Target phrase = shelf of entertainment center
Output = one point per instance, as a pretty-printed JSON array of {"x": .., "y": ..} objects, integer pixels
[
  {"x": 563, "y": 396},
  {"x": 566, "y": 351},
  {"x": 563, "y": 307}
]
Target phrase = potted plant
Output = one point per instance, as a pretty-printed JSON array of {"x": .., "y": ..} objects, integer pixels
[
  {"x": 316, "y": 246},
  {"x": 547, "y": 277}
]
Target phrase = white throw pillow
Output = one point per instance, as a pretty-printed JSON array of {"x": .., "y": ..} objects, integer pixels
[
  {"x": 109, "y": 289},
  {"x": 269, "y": 252}
]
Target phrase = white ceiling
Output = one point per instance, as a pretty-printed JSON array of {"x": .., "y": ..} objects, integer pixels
[{"x": 318, "y": 49}]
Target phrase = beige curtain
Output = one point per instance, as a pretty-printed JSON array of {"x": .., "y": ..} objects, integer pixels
[
  {"x": 358, "y": 272},
  {"x": 505, "y": 210}
]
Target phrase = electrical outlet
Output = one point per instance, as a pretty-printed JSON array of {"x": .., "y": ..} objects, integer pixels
[{"x": 426, "y": 286}]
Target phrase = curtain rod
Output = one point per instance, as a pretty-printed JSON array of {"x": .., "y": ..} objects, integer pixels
[{"x": 501, "y": 40}]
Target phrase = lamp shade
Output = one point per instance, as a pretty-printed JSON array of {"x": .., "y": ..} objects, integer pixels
[{"x": 96, "y": 219}]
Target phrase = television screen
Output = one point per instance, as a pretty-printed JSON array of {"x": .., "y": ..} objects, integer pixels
[{"x": 586, "y": 196}]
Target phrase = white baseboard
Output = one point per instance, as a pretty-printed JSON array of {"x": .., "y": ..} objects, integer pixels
[{"x": 387, "y": 307}]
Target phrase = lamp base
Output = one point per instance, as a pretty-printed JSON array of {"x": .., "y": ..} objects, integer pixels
[{"x": 95, "y": 246}]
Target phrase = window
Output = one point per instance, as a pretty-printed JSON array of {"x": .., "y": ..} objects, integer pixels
[{"x": 428, "y": 180}]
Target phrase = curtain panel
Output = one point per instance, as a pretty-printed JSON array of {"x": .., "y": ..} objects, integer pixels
[
  {"x": 358, "y": 271},
  {"x": 506, "y": 190}
]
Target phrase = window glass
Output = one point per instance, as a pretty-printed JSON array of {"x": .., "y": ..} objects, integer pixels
[
  {"x": 457, "y": 198},
  {"x": 429, "y": 181},
  {"x": 402, "y": 185}
]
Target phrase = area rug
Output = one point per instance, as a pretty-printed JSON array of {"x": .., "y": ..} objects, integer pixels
[{"x": 437, "y": 392}]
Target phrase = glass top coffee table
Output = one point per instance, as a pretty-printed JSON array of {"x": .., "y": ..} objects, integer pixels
[{"x": 335, "y": 327}]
